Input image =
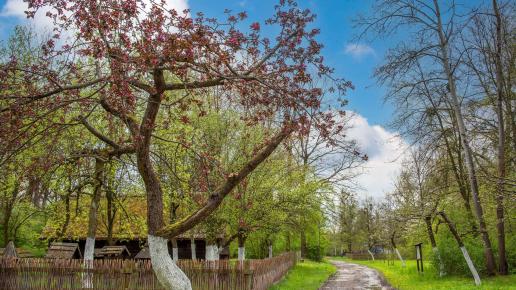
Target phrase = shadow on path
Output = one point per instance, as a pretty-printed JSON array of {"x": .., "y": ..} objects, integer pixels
[{"x": 353, "y": 276}]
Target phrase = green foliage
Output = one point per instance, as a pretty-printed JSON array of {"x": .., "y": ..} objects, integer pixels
[{"x": 314, "y": 252}]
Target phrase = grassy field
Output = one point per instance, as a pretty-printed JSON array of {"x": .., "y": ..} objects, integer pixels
[
  {"x": 408, "y": 278},
  {"x": 307, "y": 275}
]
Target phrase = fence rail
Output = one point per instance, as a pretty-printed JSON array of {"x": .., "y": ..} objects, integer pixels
[{"x": 53, "y": 274}]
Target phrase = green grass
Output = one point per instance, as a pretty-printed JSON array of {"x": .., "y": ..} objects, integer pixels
[
  {"x": 407, "y": 278},
  {"x": 307, "y": 275}
]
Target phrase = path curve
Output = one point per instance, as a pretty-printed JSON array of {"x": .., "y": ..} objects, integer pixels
[{"x": 352, "y": 276}]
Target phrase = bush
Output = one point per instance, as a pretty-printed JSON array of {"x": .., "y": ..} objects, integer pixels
[
  {"x": 314, "y": 253},
  {"x": 453, "y": 260}
]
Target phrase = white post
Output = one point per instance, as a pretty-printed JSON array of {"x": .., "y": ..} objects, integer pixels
[
  {"x": 470, "y": 265},
  {"x": 270, "y": 251},
  {"x": 399, "y": 257},
  {"x": 370, "y": 253},
  {"x": 192, "y": 245},
  {"x": 168, "y": 273},
  {"x": 241, "y": 253}
]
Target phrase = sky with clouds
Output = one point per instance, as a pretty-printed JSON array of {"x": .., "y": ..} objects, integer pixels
[{"x": 352, "y": 59}]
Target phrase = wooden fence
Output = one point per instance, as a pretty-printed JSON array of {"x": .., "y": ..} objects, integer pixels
[{"x": 53, "y": 274}]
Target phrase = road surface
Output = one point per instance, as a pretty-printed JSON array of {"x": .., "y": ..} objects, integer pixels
[{"x": 353, "y": 277}]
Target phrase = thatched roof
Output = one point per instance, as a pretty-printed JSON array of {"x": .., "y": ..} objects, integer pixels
[
  {"x": 63, "y": 251},
  {"x": 115, "y": 251},
  {"x": 10, "y": 251},
  {"x": 143, "y": 254}
]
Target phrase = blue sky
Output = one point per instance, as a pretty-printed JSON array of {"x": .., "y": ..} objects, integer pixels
[
  {"x": 334, "y": 20},
  {"x": 353, "y": 60}
]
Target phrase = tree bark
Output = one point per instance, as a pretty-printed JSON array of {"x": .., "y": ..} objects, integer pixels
[
  {"x": 193, "y": 249},
  {"x": 500, "y": 226},
  {"x": 431, "y": 237},
  {"x": 468, "y": 158},
  {"x": 303, "y": 244},
  {"x": 8, "y": 211},
  {"x": 465, "y": 253},
  {"x": 92, "y": 218},
  {"x": 241, "y": 247},
  {"x": 393, "y": 243}
]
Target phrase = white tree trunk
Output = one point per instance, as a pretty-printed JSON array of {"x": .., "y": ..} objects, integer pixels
[
  {"x": 241, "y": 253},
  {"x": 270, "y": 251},
  {"x": 212, "y": 253},
  {"x": 89, "y": 252},
  {"x": 399, "y": 257},
  {"x": 89, "y": 249},
  {"x": 168, "y": 273},
  {"x": 194, "y": 254},
  {"x": 441, "y": 265},
  {"x": 370, "y": 253},
  {"x": 470, "y": 265}
]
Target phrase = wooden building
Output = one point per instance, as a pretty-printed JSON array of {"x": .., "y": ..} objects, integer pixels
[{"x": 58, "y": 250}]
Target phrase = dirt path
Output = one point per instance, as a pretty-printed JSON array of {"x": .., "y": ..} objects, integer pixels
[{"x": 353, "y": 276}]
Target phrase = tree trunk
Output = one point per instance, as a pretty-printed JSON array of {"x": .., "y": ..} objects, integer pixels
[
  {"x": 468, "y": 156},
  {"x": 370, "y": 253},
  {"x": 241, "y": 247},
  {"x": 269, "y": 247},
  {"x": 8, "y": 211},
  {"x": 396, "y": 250},
  {"x": 64, "y": 227},
  {"x": 175, "y": 250},
  {"x": 289, "y": 246},
  {"x": 303, "y": 244},
  {"x": 465, "y": 253},
  {"x": 111, "y": 211},
  {"x": 89, "y": 247},
  {"x": 500, "y": 226},
  {"x": 168, "y": 273},
  {"x": 92, "y": 218},
  {"x": 192, "y": 246},
  {"x": 431, "y": 237}
]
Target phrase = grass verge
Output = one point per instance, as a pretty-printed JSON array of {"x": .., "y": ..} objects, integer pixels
[
  {"x": 407, "y": 278},
  {"x": 307, "y": 275}
]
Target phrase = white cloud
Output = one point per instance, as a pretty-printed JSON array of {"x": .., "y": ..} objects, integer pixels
[
  {"x": 385, "y": 150},
  {"x": 17, "y": 8},
  {"x": 358, "y": 51}
]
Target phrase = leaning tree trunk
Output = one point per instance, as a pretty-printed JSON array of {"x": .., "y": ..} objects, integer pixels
[
  {"x": 431, "y": 237},
  {"x": 465, "y": 253},
  {"x": 468, "y": 156},
  {"x": 370, "y": 253},
  {"x": 396, "y": 250},
  {"x": 500, "y": 226}
]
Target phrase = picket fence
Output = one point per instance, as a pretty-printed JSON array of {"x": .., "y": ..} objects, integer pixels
[{"x": 54, "y": 274}]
